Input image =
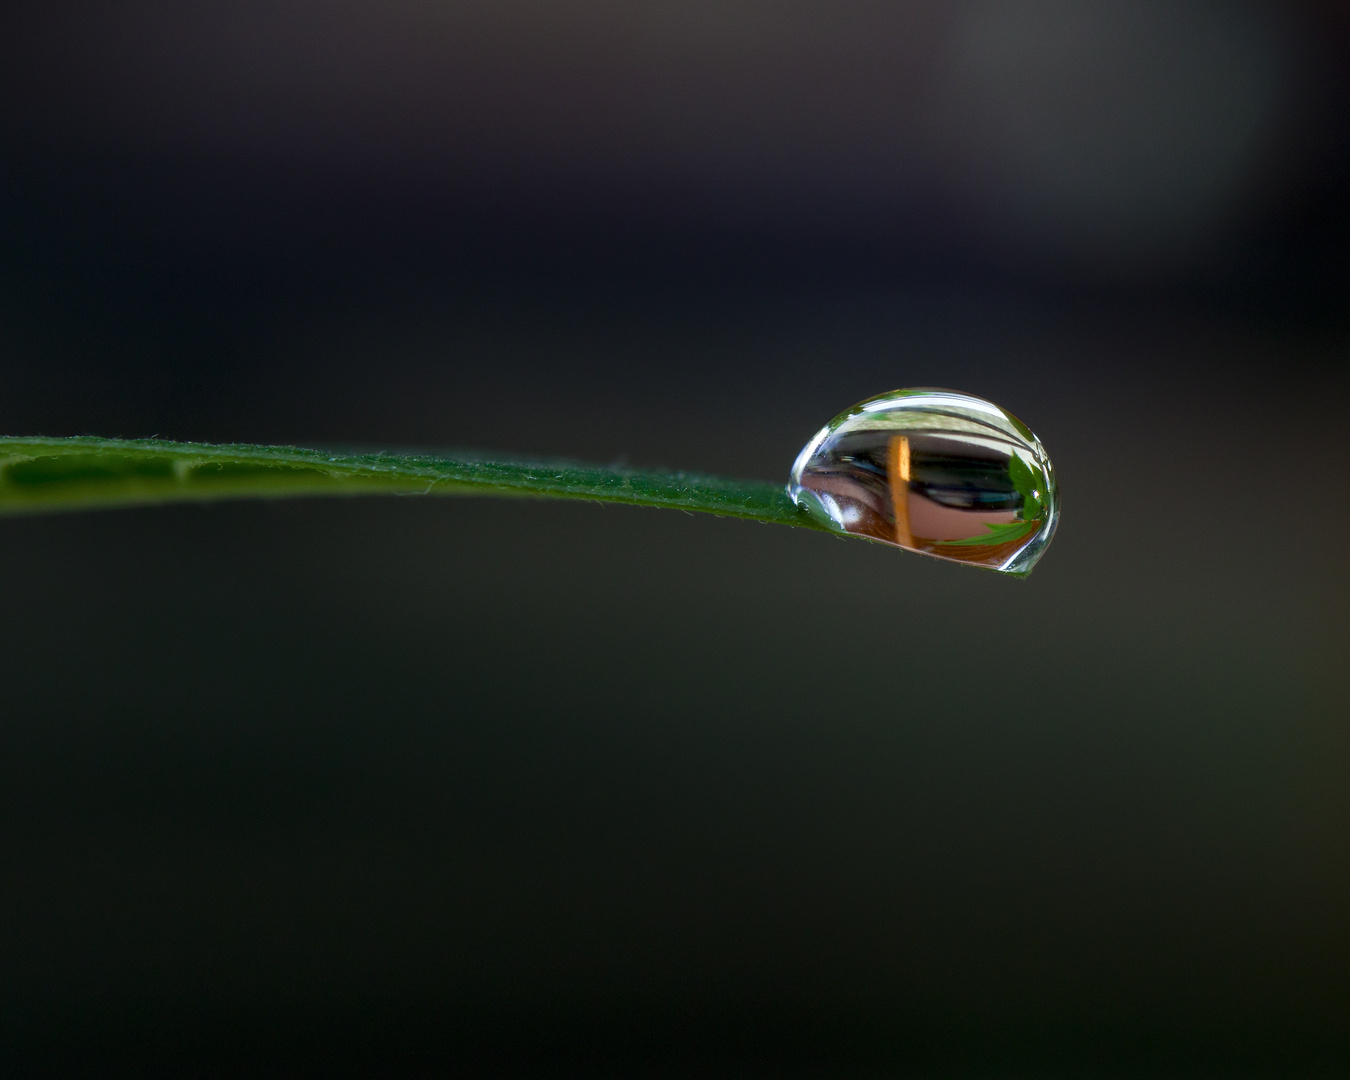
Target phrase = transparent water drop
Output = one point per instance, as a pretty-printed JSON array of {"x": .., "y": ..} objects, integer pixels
[{"x": 933, "y": 471}]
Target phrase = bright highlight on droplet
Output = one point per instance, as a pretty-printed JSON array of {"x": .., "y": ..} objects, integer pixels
[{"x": 933, "y": 471}]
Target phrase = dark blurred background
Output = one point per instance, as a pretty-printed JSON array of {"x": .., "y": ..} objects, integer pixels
[{"x": 422, "y": 786}]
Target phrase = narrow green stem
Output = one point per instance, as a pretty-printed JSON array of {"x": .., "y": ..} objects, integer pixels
[{"x": 42, "y": 475}]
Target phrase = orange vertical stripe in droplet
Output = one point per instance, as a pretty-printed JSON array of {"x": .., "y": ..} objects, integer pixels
[{"x": 897, "y": 468}]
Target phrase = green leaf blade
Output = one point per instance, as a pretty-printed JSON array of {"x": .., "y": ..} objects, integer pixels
[{"x": 65, "y": 474}]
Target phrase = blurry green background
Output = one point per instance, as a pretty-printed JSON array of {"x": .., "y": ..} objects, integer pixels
[{"x": 544, "y": 788}]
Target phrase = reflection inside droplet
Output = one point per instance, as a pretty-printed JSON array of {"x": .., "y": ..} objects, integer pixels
[{"x": 933, "y": 471}]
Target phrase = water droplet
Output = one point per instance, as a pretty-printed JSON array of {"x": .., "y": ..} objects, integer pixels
[{"x": 933, "y": 471}]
